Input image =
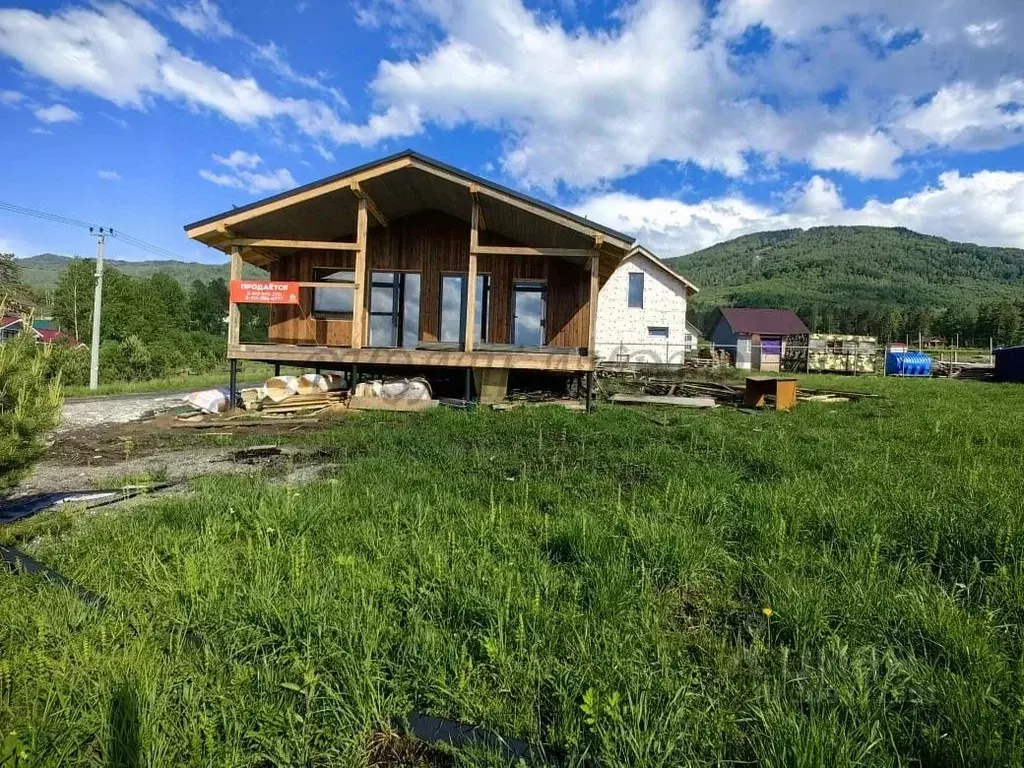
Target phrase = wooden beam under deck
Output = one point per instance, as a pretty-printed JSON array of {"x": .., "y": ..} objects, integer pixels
[{"x": 323, "y": 356}]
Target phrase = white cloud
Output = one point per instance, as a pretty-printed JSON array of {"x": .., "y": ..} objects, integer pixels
[
  {"x": 273, "y": 56},
  {"x": 663, "y": 83},
  {"x": 239, "y": 159},
  {"x": 870, "y": 155},
  {"x": 57, "y": 113},
  {"x": 41, "y": 131},
  {"x": 986, "y": 208},
  {"x": 965, "y": 116},
  {"x": 112, "y": 52},
  {"x": 11, "y": 98},
  {"x": 109, "y": 175},
  {"x": 244, "y": 174},
  {"x": 202, "y": 17}
]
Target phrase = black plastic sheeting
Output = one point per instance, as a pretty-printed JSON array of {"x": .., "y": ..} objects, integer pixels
[
  {"x": 433, "y": 730},
  {"x": 18, "y": 561},
  {"x": 13, "y": 510}
]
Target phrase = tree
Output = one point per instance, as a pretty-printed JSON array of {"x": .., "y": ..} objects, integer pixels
[
  {"x": 10, "y": 272},
  {"x": 208, "y": 306},
  {"x": 72, "y": 299},
  {"x": 29, "y": 406}
]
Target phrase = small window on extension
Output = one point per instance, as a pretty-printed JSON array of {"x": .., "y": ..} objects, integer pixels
[
  {"x": 636, "y": 289},
  {"x": 658, "y": 330}
]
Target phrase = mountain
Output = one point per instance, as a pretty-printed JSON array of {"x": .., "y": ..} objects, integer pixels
[
  {"x": 42, "y": 272},
  {"x": 852, "y": 267}
]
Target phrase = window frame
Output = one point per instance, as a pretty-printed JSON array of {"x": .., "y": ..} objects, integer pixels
[
  {"x": 326, "y": 314},
  {"x": 631, "y": 301},
  {"x": 655, "y": 331},
  {"x": 483, "y": 296}
]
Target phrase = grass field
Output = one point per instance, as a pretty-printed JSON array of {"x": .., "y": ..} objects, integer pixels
[{"x": 843, "y": 585}]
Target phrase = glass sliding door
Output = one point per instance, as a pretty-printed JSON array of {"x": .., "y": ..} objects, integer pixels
[
  {"x": 529, "y": 313},
  {"x": 453, "y": 307},
  {"x": 394, "y": 309}
]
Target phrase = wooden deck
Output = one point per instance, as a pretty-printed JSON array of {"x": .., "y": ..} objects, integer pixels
[{"x": 320, "y": 356}]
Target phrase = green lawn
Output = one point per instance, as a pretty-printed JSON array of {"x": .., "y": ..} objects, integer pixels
[{"x": 595, "y": 583}]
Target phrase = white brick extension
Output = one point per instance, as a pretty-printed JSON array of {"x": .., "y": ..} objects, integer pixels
[{"x": 624, "y": 333}]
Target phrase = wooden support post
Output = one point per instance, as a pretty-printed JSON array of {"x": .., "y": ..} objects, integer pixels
[
  {"x": 590, "y": 391},
  {"x": 233, "y": 385},
  {"x": 595, "y": 288},
  {"x": 469, "y": 385},
  {"x": 359, "y": 300},
  {"x": 277, "y": 370},
  {"x": 474, "y": 242},
  {"x": 234, "y": 314}
]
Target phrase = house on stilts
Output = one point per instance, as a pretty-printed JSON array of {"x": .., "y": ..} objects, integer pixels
[{"x": 407, "y": 265}]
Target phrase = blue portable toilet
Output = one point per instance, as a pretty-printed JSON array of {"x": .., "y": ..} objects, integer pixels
[{"x": 907, "y": 363}]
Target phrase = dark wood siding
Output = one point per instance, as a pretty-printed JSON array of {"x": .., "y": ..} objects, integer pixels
[{"x": 433, "y": 244}]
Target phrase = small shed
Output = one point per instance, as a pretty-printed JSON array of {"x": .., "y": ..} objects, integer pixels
[
  {"x": 1010, "y": 364},
  {"x": 756, "y": 338}
]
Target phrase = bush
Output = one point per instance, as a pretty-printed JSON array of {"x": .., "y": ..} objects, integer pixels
[{"x": 29, "y": 405}]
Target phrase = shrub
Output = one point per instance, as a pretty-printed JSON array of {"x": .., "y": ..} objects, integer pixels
[{"x": 29, "y": 405}]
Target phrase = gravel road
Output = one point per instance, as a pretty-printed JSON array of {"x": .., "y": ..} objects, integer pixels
[{"x": 114, "y": 409}]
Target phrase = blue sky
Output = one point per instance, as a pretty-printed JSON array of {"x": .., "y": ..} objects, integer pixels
[{"x": 683, "y": 122}]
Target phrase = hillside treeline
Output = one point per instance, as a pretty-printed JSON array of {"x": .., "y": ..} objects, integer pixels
[
  {"x": 151, "y": 326},
  {"x": 890, "y": 283}
]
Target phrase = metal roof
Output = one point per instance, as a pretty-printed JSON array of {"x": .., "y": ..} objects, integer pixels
[
  {"x": 426, "y": 161},
  {"x": 767, "y": 322}
]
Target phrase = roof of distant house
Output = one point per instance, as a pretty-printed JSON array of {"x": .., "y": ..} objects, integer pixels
[
  {"x": 768, "y": 322},
  {"x": 50, "y": 335},
  {"x": 9, "y": 320}
]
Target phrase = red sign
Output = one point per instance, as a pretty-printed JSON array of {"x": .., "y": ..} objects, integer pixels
[{"x": 264, "y": 292}]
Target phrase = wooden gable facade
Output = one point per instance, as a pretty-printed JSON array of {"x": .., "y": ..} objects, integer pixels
[{"x": 411, "y": 215}]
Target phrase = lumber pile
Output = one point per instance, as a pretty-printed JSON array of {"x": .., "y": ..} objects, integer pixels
[{"x": 679, "y": 402}]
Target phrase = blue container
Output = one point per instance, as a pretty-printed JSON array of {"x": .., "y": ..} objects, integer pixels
[{"x": 908, "y": 364}]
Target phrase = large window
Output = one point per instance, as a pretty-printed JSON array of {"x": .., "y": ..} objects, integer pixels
[
  {"x": 394, "y": 309},
  {"x": 636, "y": 289},
  {"x": 333, "y": 303},
  {"x": 453, "y": 307}
]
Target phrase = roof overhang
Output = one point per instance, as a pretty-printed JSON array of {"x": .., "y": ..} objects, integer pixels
[
  {"x": 639, "y": 250},
  {"x": 394, "y": 187}
]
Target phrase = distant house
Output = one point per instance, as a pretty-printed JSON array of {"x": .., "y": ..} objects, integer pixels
[
  {"x": 14, "y": 325},
  {"x": 756, "y": 338},
  {"x": 642, "y": 312}
]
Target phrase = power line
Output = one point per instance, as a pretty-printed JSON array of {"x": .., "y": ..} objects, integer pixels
[{"x": 129, "y": 240}]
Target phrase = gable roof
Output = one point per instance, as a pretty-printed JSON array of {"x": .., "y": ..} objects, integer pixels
[
  {"x": 50, "y": 335},
  {"x": 639, "y": 250},
  {"x": 386, "y": 165},
  {"x": 9, "y": 320},
  {"x": 769, "y": 322}
]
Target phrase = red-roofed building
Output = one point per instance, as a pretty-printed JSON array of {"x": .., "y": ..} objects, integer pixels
[
  {"x": 14, "y": 325},
  {"x": 756, "y": 338}
]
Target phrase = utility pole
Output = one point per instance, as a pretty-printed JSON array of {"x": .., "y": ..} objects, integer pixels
[{"x": 97, "y": 306}]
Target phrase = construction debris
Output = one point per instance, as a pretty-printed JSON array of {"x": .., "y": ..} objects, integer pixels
[
  {"x": 569, "y": 405},
  {"x": 371, "y": 403}
]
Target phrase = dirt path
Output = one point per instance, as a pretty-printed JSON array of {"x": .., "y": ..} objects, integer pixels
[{"x": 115, "y": 409}]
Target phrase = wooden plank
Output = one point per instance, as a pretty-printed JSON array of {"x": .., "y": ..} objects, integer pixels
[
  {"x": 301, "y": 245},
  {"x": 359, "y": 300},
  {"x": 270, "y": 206},
  {"x": 595, "y": 290},
  {"x": 682, "y": 402},
  {"x": 360, "y": 193},
  {"x": 308, "y": 284},
  {"x": 516, "y": 250},
  {"x": 234, "y": 314},
  {"x": 311, "y": 356},
  {"x": 470, "y": 309},
  {"x": 492, "y": 384}
]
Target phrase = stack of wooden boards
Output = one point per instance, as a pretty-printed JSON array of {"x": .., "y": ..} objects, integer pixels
[{"x": 309, "y": 393}]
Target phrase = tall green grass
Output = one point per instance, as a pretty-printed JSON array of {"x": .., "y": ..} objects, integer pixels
[{"x": 597, "y": 584}]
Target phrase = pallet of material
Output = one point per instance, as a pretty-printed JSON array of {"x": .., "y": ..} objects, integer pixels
[
  {"x": 297, "y": 403},
  {"x": 679, "y": 402},
  {"x": 364, "y": 403}
]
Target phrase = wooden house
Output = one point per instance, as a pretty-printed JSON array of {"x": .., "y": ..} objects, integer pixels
[{"x": 408, "y": 264}]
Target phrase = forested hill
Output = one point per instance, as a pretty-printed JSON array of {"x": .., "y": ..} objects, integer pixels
[
  {"x": 42, "y": 272},
  {"x": 848, "y": 266}
]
